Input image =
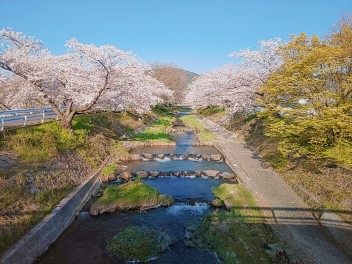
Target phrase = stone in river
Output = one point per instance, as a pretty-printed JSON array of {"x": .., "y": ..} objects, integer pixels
[
  {"x": 148, "y": 156},
  {"x": 198, "y": 173},
  {"x": 211, "y": 173},
  {"x": 126, "y": 176},
  {"x": 112, "y": 177},
  {"x": 215, "y": 157},
  {"x": 154, "y": 173},
  {"x": 160, "y": 156},
  {"x": 142, "y": 174},
  {"x": 205, "y": 157},
  {"x": 227, "y": 176}
]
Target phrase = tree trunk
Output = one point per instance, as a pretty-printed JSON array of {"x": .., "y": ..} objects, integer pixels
[{"x": 66, "y": 121}]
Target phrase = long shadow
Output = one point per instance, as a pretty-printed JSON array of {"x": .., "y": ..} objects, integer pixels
[{"x": 316, "y": 214}]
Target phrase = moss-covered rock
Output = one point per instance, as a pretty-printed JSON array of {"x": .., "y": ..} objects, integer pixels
[
  {"x": 139, "y": 243},
  {"x": 131, "y": 195}
]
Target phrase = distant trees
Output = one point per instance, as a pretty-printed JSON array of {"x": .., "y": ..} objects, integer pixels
[
  {"x": 236, "y": 87},
  {"x": 84, "y": 77},
  {"x": 173, "y": 77}
]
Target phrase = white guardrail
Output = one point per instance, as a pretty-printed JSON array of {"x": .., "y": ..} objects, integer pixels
[{"x": 25, "y": 117}]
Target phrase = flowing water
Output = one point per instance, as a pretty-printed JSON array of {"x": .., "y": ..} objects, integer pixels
[{"x": 85, "y": 240}]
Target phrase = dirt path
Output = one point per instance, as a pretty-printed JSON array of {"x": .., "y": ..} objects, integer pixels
[{"x": 282, "y": 208}]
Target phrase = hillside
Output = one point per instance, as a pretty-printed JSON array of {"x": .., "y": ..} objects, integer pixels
[{"x": 175, "y": 78}]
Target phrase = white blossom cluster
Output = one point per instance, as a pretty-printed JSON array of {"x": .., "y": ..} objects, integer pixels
[
  {"x": 235, "y": 87},
  {"x": 86, "y": 76}
]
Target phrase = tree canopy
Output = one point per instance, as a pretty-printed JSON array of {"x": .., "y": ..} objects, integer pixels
[{"x": 84, "y": 77}]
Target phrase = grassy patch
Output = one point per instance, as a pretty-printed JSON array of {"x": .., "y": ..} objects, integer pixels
[
  {"x": 203, "y": 133},
  {"x": 237, "y": 235},
  {"x": 157, "y": 130},
  {"x": 39, "y": 143},
  {"x": 110, "y": 124},
  {"x": 210, "y": 111},
  {"x": 139, "y": 243},
  {"x": 131, "y": 195}
]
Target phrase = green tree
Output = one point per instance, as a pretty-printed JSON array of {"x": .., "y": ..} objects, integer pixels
[{"x": 309, "y": 100}]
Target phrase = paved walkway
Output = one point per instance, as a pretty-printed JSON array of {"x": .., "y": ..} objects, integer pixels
[{"x": 282, "y": 208}]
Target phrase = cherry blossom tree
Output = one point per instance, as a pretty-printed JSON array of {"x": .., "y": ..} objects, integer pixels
[
  {"x": 235, "y": 87},
  {"x": 86, "y": 76}
]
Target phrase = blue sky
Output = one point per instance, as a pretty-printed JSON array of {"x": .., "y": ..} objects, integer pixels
[{"x": 195, "y": 34}]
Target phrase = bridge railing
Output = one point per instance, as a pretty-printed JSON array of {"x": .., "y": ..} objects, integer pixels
[{"x": 26, "y": 117}]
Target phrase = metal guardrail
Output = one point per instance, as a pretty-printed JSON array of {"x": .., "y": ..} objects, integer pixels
[{"x": 25, "y": 117}]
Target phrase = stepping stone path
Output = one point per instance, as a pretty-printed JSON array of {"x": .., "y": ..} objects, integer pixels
[
  {"x": 126, "y": 176},
  {"x": 198, "y": 157}
]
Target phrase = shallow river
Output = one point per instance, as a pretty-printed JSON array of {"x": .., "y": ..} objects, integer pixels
[{"x": 85, "y": 240}]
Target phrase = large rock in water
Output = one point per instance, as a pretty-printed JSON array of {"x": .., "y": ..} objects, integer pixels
[
  {"x": 205, "y": 157},
  {"x": 142, "y": 174},
  {"x": 148, "y": 156},
  {"x": 126, "y": 176},
  {"x": 211, "y": 173},
  {"x": 154, "y": 173},
  {"x": 160, "y": 156},
  {"x": 227, "y": 176},
  {"x": 112, "y": 177},
  {"x": 215, "y": 157}
]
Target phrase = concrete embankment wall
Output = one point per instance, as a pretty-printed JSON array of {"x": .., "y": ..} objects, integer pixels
[{"x": 36, "y": 242}]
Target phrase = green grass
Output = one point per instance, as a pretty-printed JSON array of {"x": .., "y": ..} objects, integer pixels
[
  {"x": 237, "y": 235},
  {"x": 157, "y": 130},
  {"x": 132, "y": 195},
  {"x": 110, "y": 124},
  {"x": 203, "y": 134},
  {"x": 138, "y": 244},
  {"x": 210, "y": 111},
  {"x": 43, "y": 142}
]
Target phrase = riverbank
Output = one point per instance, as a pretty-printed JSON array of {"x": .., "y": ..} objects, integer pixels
[
  {"x": 41, "y": 165},
  {"x": 286, "y": 213}
]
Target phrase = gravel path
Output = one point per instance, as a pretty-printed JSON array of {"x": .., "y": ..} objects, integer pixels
[{"x": 287, "y": 213}]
